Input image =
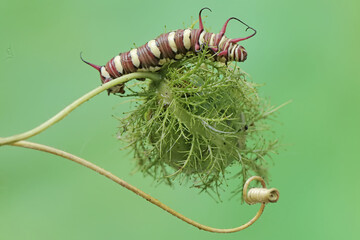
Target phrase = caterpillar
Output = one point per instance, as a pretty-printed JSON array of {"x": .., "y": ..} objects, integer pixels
[{"x": 172, "y": 46}]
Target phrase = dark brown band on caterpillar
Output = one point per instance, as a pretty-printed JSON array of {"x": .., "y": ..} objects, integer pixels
[
  {"x": 207, "y": 37},
  {"x": 153, "y": 60},
  {"x": 127, "y": 63},
  {"x": 194, "y": 38},
  {"x": 179, "y": 41},
  {"x": 164, "y": 46},
  {"x": 110, "y": 67},
  {"x": 146, "y": 58}
]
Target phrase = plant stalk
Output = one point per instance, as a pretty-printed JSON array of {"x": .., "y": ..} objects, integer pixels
[
  {"x": 135, "y": 190},
  {"x": 77, "y": 103}
]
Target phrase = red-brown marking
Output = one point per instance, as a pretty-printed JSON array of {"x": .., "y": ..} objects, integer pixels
[
  {"x": 194, "y": 38},
  {"x": 127, "y": 64},
  {"x": 164, "y": 46},
  {"x": 146, "y": 57},
  {"x": 179, "y": 41},
  {"x": 110, "y": 67},
  {"x": 217, "y": 39},
  {"x": 207, "y": 37}
]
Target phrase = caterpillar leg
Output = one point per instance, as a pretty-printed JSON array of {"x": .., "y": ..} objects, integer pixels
[
  {"x": 199, "y": 48},
  {"x": 115, "y": 89}
]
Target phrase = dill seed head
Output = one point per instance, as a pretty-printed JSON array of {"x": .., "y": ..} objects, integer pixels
[{"x": 199, "y": 120}]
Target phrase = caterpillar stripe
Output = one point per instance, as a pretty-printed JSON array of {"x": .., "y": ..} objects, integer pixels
[{"x": 172, "y": 46}]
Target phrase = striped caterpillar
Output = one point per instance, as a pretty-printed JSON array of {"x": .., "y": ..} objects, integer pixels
[{"x": 172, "y": 46}]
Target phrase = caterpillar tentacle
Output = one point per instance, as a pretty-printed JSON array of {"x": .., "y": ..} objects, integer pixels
[{"x": 172, "y": 46}]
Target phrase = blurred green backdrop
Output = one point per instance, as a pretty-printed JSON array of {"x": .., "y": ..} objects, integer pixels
[{"x": 307, "y": 51}]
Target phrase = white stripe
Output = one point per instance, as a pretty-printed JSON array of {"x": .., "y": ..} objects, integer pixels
[
  {"x": 134, "y": 57},
  {"x": 232, "y": 51},
  {"x": 211, "y": 43},
  {"x": 226, "y": 45},
  {"x": 241, "y": 55},
  {"x": 171, "y": 39},
  {"x": 201, "y": 38},
  {"x": 154, "y": 49},
  {"x": 237, "y": 54},
  {"x": 118, "y": 64},
  {"x": 221, "y": 42},
  {"x": 104, "y": 73},
  {"x": 186, "y": 39}
]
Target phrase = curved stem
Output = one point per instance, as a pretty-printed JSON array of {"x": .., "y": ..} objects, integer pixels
[
  {"x": 75, "y": 104},
  {"x": 135, "y": 190}
]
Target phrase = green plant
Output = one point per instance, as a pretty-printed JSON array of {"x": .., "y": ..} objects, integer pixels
[
  {"x": 201, "y": 118},
  {"x": 198, "y": 117}
]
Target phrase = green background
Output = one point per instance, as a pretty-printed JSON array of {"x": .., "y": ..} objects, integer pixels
[{"x": 307, "y": 51}]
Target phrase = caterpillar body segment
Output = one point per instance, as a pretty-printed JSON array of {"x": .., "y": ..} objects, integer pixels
[{"x": 172, "y": 46}]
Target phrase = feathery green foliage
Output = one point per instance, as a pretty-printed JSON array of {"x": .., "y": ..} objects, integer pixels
[{"x": 200, "y": 119}]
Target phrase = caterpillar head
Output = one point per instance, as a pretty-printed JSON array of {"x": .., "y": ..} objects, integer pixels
[{"x": 105, "y": 77}]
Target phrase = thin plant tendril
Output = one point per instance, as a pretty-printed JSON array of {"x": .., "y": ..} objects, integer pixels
[{"x": 109, "y": 175}]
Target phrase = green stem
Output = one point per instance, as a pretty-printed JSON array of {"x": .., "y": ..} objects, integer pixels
[
  {"x": 62, "y": 114},
  {"x": 135, "y": 190}
]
